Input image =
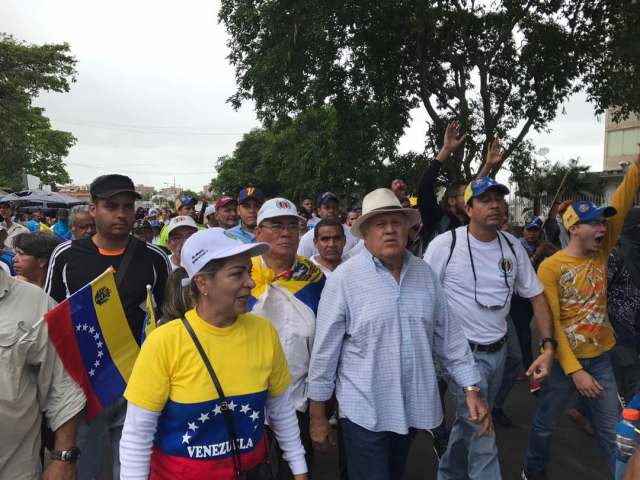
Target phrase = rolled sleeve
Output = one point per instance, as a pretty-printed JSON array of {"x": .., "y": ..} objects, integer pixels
[
  {"x": 61, "y": 398},
  {"x": 330, "y": 332}
]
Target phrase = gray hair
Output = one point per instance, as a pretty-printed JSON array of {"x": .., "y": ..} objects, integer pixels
[{"x": 78, "y": 209}]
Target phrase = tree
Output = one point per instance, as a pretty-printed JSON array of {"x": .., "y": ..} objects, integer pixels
[
  {"x": 190, "y": 194},
  {"x": 28, "y": 144},
  {"x": 310, "y": 154},
  {"x": 501, "y": 68}
]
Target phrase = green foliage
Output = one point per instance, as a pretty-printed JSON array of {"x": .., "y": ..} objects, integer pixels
[
  {"x": 28, "y": 144},
  {"x": 190, "y": 193},
  {"x": 538, "y": 177},
  {"x": 311, "y": 154},
  {"x": 501, "y": 68}
]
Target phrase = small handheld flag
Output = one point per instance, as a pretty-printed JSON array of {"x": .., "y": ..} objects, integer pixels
[
  {"x": 92, "y": 337},
  {"x": 150, "y": 318}
]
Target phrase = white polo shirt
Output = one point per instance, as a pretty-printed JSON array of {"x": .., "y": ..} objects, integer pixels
[{"x": 482, "y": 325}]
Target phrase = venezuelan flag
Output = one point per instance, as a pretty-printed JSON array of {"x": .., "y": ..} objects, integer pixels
[
  {"x": 150, "y": 318},
  {"x": 92, "y": 337}
]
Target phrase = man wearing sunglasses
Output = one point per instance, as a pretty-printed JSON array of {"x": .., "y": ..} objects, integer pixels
[
  {"x": 575, "y": 283},
  {"x": 479, "y": 267}
]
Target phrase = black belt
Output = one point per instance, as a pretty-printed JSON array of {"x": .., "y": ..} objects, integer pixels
[{"x": 491, "y": 348}]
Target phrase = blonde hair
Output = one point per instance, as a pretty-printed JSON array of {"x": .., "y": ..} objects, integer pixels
[{"x": 177, "y": 299}]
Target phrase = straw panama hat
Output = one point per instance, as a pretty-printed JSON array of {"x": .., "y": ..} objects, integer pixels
[{"x": 380, "y": 201}]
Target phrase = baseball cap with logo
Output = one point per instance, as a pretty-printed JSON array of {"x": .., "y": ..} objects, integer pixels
[
  {"x": 533, "y": 221},
  {"x": 181, "y": 221},
  {"x": 184, "y": 201},
  {"x": 213, "y": 244},
  {"x": 585, "y": 211},
  {"x": 325, "y": 197},
  {"x": 277, "y": 207},
  {"x": 224, "y": 201},
  {"x": 106, "y": 186},
  {"x": 251, "y": 192},
  {"x": 482, "y": 184}
]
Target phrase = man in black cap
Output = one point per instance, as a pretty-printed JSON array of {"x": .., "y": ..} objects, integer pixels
[
  {"x": 137, "y": 264},
  {"x": 328, "y": 207},
  {"x": 13, "y": 228}
]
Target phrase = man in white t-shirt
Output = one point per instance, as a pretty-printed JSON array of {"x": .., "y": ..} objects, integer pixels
[
  {"x": 329, "y": 240},
  {"x": 479, "y": 268},
  {"x": 328, "y": 207}
]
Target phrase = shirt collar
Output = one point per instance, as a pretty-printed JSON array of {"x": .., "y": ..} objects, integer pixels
[{"x": 379, "y": 265}]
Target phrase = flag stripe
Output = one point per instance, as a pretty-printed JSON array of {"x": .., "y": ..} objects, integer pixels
[
  {"x": 120, "y": 341},
  {"x": 106, "y": 381},
  {"x": 62, "y": 335}
]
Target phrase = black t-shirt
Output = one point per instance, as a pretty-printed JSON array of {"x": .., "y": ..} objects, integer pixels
[{"x": 74, "y": 264}]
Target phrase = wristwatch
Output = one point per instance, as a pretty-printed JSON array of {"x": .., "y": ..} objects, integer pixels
[
  {"x": 545, "y": 340},
  {"x": 471, "y": 388},
  {"x": 69, "y": 456}
]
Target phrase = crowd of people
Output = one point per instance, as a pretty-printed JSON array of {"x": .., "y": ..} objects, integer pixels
[{"x": 279, "y": 325}]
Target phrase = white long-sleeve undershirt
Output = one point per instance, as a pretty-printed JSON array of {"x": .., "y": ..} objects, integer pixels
[{"x": 140, "y": 428}]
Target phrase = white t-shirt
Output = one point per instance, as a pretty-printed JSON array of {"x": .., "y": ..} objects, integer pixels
[
  {"x": 481, "y": 325},
  {"x": 325, "y": 270},
  {"x": 306, "y": 248}
]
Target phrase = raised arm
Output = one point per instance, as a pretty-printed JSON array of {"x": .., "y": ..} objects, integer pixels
[{"x": 493, "y": 160}]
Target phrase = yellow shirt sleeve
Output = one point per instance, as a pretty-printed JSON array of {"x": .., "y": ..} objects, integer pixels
[
  {"x": 150, "y": 380},
  {"x": 548, "y": 272},
  {"x": 622, "y": 200},
  {"x": 280, "y": 377}
]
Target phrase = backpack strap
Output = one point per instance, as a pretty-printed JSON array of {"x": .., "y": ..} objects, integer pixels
[{"x": 453, "y": 246}]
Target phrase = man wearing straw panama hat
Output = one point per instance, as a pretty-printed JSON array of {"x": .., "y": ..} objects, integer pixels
[{"x": 381, "y": 321}]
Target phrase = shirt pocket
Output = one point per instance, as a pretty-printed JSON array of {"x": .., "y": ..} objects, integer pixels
[{"x": 13, "y": 356}]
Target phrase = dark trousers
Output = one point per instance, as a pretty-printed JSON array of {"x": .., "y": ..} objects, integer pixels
[
  {"x": 374, "y": 455},
  {"x": 521, "y": 313},
  {"x": 283, "y": 472}
]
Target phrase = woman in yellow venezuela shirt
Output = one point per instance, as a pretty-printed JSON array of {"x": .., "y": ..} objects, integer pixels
[{"x": 175, "y": 426}]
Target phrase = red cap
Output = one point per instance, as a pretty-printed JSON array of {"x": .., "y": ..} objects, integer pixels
[
  {"x": 631, "y": 414},
  {"x": 224, "y": 201}
]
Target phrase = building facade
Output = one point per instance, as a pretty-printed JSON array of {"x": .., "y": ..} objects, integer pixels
[{"x": 621, "y": 141}]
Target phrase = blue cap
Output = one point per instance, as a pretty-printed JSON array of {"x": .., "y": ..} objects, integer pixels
[
  {"x": 533, "y": 222},
  {"x": 325, "y": 197},
  {"x": 182, "y": 201},
  {"x": 156, "y": 224},
  {"x": 585, "y": 211},
  {"x": 481, "y": 185},
  {"x": 251, "y": 192}
]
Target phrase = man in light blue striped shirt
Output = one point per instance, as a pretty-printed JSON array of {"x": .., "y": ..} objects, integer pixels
[{"x": 382, "y": 318}]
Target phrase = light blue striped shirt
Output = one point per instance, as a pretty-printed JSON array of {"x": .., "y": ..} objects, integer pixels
[{"x": 376, "y": 340}]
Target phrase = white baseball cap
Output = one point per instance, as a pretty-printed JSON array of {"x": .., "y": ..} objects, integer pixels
[
  {"x": 210, "y": 210},
  {"x": 277, "y": 207},
  {"x": 153, "y": 211},
  {"x": 213, "y": 244},
  {"x": 181, "y": 221}
]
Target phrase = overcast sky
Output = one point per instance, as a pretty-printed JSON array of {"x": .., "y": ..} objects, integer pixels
[{"x": 152, "y": 83}]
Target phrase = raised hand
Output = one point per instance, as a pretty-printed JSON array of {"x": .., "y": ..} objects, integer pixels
[
  {"x": 452, "y": 141},
  {"x": 494, "y": 155}
]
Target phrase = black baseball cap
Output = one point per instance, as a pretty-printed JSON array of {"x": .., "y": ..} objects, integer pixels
[
  {"x": 106, "y": 186},
  {"x": 325, "y": 197}
]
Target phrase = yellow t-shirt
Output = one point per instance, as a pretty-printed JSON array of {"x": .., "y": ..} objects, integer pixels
[
  {"x": 576, "y": 288},
  {"x": 169, "y": 376}
]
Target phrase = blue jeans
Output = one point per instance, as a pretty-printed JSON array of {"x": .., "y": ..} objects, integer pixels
[
  {"x": 554, "y": 395},
  {"x": 374, "y": 455},
  {"x": 470, "y": 455},
  {"x": 512, "y": 365}
]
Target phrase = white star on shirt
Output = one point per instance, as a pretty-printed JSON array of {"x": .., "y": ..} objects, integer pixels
[
  {"x": 92, "y": 330},
  {"x": 245, "y": 408},
  {"x": 84, "y": 327},
  {"x": 186, "y": 437},
  {"x": 193, "y": 426},
  {"x": 232, "y": 406},
  {"x": 92, "y": 372},
  {"x": 217, "y": 410},
  {"x": 78, "y": 328},
  {"x": 255, "y": 415},
  {"x": 96, "y": 363},
  {"x": 100, "y": 344},
  {"x": 204, "y": 417},
  {"x": 100, "y": 353},
  {"x": 96, "y": 336}
]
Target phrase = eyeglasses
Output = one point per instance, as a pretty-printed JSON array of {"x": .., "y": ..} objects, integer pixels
[
  {"x": 278, "y": 228},
  {"x": 475, "y": 278}
]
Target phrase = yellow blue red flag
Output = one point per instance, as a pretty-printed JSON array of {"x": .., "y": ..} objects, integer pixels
[
  {"x": 150, "y": 318},
  {"x": 92, "y": 337}
]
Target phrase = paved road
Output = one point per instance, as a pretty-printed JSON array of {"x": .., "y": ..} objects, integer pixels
[{"x": 574, "y": 454}]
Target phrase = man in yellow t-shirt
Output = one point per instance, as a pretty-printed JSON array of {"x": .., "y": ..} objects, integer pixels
[{"x": 575, "y": 285}]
